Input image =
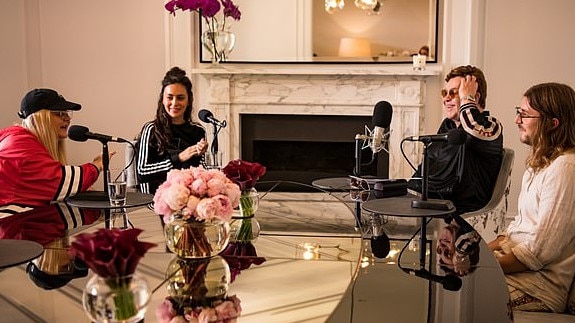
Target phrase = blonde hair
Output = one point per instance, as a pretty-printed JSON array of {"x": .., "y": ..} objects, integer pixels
[
  {"x": 56, "y": 258},
  {"x": 40, "y": 124}
]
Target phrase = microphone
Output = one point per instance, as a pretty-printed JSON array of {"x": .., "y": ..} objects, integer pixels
[
  {"x": 208, "y": 117},
  {"x": 382, "y": 113},
  {"x": 449, "y": 282},
  {"x": 81, "y": 133},
  {"x": 379, "y": 240},
  {"x": 453, "y": 137}
]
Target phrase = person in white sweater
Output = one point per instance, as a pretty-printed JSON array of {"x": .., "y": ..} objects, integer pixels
[{"x": 537, "y": 250}]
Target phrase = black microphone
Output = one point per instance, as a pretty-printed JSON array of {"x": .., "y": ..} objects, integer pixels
[
  {"x": 208, "y": 117},
  {"x": 379, "y": 240},
  {"x": 81, "y": 133},
  {"x": 382, "y": 113},
  {"x": 453, "y": 137},
  {"x": 380, "y": 245},
  {"x": 449, "y": 282}
]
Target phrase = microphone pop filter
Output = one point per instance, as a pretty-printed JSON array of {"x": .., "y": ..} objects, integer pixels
[
  {"x": 205, "y": 115},
  {"x": 78, "y": 133},
  {"x": 382, "y": 113}
]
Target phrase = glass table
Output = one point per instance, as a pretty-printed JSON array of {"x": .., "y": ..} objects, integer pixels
[{"x": 317, "y": 266}]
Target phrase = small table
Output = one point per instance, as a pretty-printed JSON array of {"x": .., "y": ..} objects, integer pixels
[
  {"x": 16, "y": 252},
  {"x": 339, "y": 184},
  {"x": 402, "y": 207},
  {"x": 99, "y": 200}
]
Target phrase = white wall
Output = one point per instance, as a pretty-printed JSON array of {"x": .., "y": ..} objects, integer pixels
[
  {"x": 107, "y": 55},
  {"x": 526, "y": 42}
]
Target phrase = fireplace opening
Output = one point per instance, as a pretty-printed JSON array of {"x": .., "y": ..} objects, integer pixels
[{"x": 303, "y": 148}]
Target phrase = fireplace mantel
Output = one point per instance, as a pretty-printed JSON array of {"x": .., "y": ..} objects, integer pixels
[{"x": 232, "y": 90}]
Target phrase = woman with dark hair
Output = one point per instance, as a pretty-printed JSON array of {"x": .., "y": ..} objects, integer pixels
[
  {"x": 537, "y": 250},
  {"x": 172, "y": 139}
]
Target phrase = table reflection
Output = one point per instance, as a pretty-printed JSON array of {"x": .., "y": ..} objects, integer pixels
[{"x": 309, "y": 264}]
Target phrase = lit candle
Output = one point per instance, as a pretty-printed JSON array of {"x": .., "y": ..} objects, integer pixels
[{"x": 419, "y": 62}]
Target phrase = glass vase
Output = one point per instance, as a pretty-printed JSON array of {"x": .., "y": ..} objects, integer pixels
[
  {"x": 219, "y": 43},
  {"x": 244, "y": 226},
  {"x": 201, "y": 281},
  {"x": 118, "y": 299},
  {"x": 192, "y": 239}
]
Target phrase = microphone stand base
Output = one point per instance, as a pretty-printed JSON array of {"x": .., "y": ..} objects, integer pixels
[{"x": 443, "y": 205}]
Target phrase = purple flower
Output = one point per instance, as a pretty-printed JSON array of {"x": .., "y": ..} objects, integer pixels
[
  {"x": 231, "y": 10},
  {"x": 244, "y": 173},
  {"x": 207, "y": 8},
  {"x": 110, "y": 252}
]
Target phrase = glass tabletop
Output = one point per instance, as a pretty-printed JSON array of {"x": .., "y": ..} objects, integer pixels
[{"x": 309, "y": 264}]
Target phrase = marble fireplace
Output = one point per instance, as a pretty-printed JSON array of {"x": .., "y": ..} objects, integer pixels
[{"x": 278, "y": 98}]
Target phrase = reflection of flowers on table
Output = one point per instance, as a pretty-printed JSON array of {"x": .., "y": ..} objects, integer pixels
[
  {"x": 225, "y": 310},
  {"x": 195, "y": 195},
  {"x": 240, "y": 256},
  {"x": 114, "y": 255},
  {"x": 198, "y": 292}
]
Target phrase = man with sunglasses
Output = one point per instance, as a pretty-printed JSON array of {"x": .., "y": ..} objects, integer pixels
[{"x": 464, "y": 174}]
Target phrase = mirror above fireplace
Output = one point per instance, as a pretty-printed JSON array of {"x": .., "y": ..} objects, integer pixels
[{"x": 301, "y": 31}]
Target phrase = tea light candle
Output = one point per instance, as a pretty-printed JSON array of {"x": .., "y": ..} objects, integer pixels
[{"x": 419, "y": 62}]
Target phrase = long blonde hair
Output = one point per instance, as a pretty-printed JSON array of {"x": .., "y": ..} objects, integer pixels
[{"x": 40, "y": 124}]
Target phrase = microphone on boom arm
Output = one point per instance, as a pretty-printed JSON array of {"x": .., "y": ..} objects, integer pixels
[
  {"x": 454, "y": 137},
  {"x": 208, "y": 117},
  {"x": 449, "y": 282},
  {"x": 81, "y": 133}
]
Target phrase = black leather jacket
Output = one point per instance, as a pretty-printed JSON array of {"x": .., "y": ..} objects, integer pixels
[{"x": 465, "y": 174}]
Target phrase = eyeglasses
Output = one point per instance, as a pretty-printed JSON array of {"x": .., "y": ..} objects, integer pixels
[
  {"x": 63, "y": 114},
  {"x": 521, "y": 115},
  {"x": 360, "y": 189},
  {"x": 452, "y": 93}
]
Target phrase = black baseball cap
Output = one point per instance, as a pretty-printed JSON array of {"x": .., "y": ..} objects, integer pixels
[{"x": 48, "y": 99}]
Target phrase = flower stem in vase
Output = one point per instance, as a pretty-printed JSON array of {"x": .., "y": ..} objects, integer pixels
[
  {"x": 124, "y": 305},
  {"x": 196, "y": 237},
  {"x": 248, "y": 206}
]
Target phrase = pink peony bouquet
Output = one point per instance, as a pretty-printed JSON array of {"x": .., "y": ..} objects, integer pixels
[
  {"x": 225, "y": 311},
  {"x": 197, "y": 194}
]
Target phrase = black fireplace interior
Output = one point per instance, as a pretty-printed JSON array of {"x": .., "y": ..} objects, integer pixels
[{"x": 303, "y": 148}]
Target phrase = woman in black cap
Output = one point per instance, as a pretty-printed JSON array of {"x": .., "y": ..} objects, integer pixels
[{"x": 33, "y": 165}]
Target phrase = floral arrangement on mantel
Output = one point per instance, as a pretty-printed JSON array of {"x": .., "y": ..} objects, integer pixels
[
  {"x": 209, "y": 9},
  {"x": 113, "y": 255}
]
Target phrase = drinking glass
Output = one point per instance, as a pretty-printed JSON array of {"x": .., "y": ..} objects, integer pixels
[
  {"x": 117, "y": 186},
  {"x": 213, "y": 161}
]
